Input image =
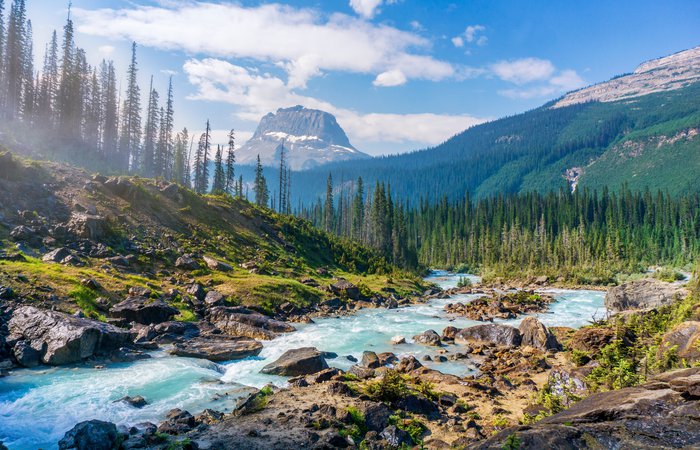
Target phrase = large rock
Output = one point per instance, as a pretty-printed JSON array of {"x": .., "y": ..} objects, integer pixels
[
  {"x": 143, "y": 310},
  {"x": 685, "y": 339},
  {"x": 346, "y": 289},
  {"x": 429, "y": 337},
  {"x": 187, "y": 262},
  {"x": 87, "y": 226},
  {"x": 642, "y": 294},
  {"x": 63, "y": 339},
  {"x": 591, "y": 339},
  {"x": 238, "y": 321},
  {"x": 295, "y": 362},
  {"x": 217, "y": 348},
  {"x": 91, "y": 435},
  {"x": 56, "y": 255},
  {"x": 491, "y": 333},
  {"x": 215, "y": 264},
  {"x": 536, "y": 335},
  {"x": 662, "y": 413}
]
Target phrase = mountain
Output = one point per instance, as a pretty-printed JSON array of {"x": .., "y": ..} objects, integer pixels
[
  {"x": 640, "y": 129},
  {"x": 310, "y": 137}
]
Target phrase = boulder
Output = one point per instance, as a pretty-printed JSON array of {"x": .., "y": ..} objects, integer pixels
[
  {"x": 214, "y": 298},
  {"x": 535, "y": 334},
  {"x": 345, "y": 289},
  {"x": 295, "y": 362},
  {"x": 186, "y": 262},
  {"x": 238, "y": 321},
  {"x": 418, "y": 404},
  {"x": 448, "y": 334},
  {"x": 370, "y": 360},
  {"x": 136, "y": 402},
  {"x": 492, "y": 333},
  {"x": 662, "y": 413},
  {"x": 87, "y": 226},
  {"x": 56, "y": 255},
  {"x": 395, "y": 437},
  {"x": 685, "y": 339},
  {"x": 642, "y": 294},
  {"x": 376, "y": 416},
  {"x": 61, "y": 338},
  {"x": 143, "y": 310},
  {"x": 217, "y": 348},
  {"x": 91, "y": 435},
  {"x": 177, "y": 422},
  {"x": 214, "y": 264},
  {"x": 26, "y": 234},
  {"x": 591, "y": 339},
  {"x": 429, "y": 337},
  {"x": 408, "y": 364},
  {"x": 25, "y": 355},
  {"x": 397, "y": 340}
]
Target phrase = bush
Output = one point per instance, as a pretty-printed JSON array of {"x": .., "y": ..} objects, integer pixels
[
  {"x": 464, "y": 282},
  {"x": 389, "y": 388}
]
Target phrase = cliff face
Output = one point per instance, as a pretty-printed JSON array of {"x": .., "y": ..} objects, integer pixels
[
  {"x": 309, "y": 137},
  {"x": 662, "y": 74}
]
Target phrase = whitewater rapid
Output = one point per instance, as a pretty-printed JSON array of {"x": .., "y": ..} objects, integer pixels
[{"x": 37, "y": 406}]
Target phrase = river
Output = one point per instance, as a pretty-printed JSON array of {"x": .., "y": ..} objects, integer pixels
[{"x": 37, "y": 406}]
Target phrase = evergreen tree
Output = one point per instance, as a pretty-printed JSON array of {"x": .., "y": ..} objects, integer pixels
[
  {"x": 358, "y": 210},
  {"x": 110, "y": 115},
  {"x": 180, "y": 151},
  {"x": 49, "y": 84},
  {"x": 230, "y": 161},
  {"x": 328, "y": 205},
  {"x": 150, "y": 133},
  {"x": 15, "y": 62},
  {"x": 262, "y": 195},
  {"x": 219, "y": 184},
  {"x": 130, "y": 138},
  {"x": 201, "y": 162},
  {"x": 93, "y": 116},
  {"x": 29, "y": 88},
  {"x": 164, "y": 151},
  {"x": 282, "y": 194}
]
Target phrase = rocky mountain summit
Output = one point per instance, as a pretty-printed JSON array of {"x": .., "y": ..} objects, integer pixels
[
  {"x": 662, "y": 74},
  {"x": 310, "y": 138}
]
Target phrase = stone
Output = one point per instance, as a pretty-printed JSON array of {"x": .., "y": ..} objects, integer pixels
[
  {"x": 535, "y": 334},
  {"x": 91, "y": 435},
  {"x": 642, "y": 295},
  {"x": 492, "y": 333},
  {"x": 214, "y": 298},
  {"x": 197, "y": 291},
  {"x": 87, "y": 226},
  {"x": 177, "y": 422},
  {"x": 26, "y": 234},
  {"x": 56, "y": 255},
  {"x": 238, "y": 321},
  {"x": 136, "y": 402},
  {"x": 370, "y": 360},
  {"x": 91, "y": 283},
  {"x": 685, "y": 338},
  {"x": 61, "y": 338},
  {"x": 25, "y": 355},
  {"x": 448, "y": 334},
  {"x": 214, "y": 264},
  {"x": 143, "y": 310},
  {"x": 186, "y": 262},
  {"x": 6, "y": 293},
  {"x": 345, "y": 289},
  {"x": 408, "y": 364},
  {"x": 376, "y": 416},
  {"x": 217, "y": 348},
  {"x": 396, "y": 437},
  {"x": 397, "y": 340},
  {"x": 299, "y": 361},
  {"x": 418, "y": 404},
  {"x": 591, "y": 339},
  {"x": 429, "y": 337}
]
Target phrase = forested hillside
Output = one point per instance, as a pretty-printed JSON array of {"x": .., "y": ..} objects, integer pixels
[{"x": 647, "y": 142}]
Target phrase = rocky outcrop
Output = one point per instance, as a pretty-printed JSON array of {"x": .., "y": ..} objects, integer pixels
[
  {"x": 295, "y": 362},
  {"x": 429, "y": 337},
  {"x": 345, "y": 289},
  {"x": 641, "y": 295},
  {"x": 238, "y": 321},
  {"x": 536, "y": 335},
  {"x": 87, "y": 226},
  {"x": 187, "y": 262},
  {"x": 63, "y": 339},
  {"x": 92, "y": 435},
  {"x": 217, "y": 348},
  {"x": 591, "y": 339},
  {"x": 143, "y": 310},
  {"x": 662, "y": 413},
  {"x": 684, "y": 339},
  {"x": 215, "y": 264},
  {"x": 490, "y": 333},
  {"x": 502, "y": 306}
]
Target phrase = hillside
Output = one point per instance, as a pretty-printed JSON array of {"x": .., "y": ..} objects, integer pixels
[
  {"x": 647, "y": 140},
  {"x": 127, "y": 232}
]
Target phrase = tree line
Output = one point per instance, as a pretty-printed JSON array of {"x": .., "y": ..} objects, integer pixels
[{"x": 580, "y": 234}]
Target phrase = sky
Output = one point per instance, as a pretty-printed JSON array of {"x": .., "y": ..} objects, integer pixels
[{"x": 399, "y": 75}]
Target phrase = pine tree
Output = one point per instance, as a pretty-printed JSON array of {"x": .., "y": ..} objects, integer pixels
[
  {"x": 328, "y": 222},
  {"x": 14, "y": 65},
  {"x": 262, "y": 195},
  {"x": 164, "y": 150},
  {"x": 219, "y": 184},
  {"x": 130, "y": 139},
  {"x": 180, "y": 158},
  {"x": 150, "y": 133},
  {"x": 93, "y": 116},
  {"x": 110, "y": 114},
  {"x": 68, "y": 102},
  {"x": 2, "y": 51},
  {"x": 49, "y": 84},
  {"x": 358, "y": 210},
  {"x": 201, "y": 163},
  {"x": 282, "y": 195},
  {"x": 230, "y": 161},
  {"x": 29, "y": 91}
]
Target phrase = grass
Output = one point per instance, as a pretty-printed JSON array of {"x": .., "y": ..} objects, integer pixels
[{"x": 85, "y": 299}]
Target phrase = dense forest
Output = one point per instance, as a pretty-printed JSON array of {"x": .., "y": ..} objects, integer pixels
[{"x": 586, "y": 236}]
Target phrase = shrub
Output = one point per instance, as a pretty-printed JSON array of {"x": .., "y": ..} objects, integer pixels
[{"x": 389, "y": 388}]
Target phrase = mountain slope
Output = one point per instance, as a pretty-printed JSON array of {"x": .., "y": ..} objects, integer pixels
[
  {"x": 575, "y": 145},
  {"x": 309, "y": 136}
]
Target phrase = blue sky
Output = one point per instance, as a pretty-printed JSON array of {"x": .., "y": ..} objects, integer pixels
[{"x": 398, "y": 74}]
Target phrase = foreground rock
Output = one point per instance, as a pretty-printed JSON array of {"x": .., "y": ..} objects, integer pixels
[
  {"x": 490, "y": 333},
  {"x": 295, "y": 362},
  {"x": 143, "y": 310},
  {"x": 502, "y": 306},
  {"x": 217, "y": 348},
  {"x": 535, "y": 334},
  {"x": 429, "y": 337},
  {"x": 642, "y": 294},
  {"x": 62, "y": 339},
  {"x": 91, "y": 435},
  {"x": 662, "y": 413},
  {"x": 238, "y": 321},
  {"x": 684, "y": 339}
]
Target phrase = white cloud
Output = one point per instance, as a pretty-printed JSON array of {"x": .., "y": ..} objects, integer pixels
[
  {"x": 563, "y": 81},
  {"x": 365, "y": 8},
  {"x": 390, "y": 78},
  {"x": 417, "y": 26},
  {"x": 567, "y": 80},
  {"x": 106, "y": 50},
  {"x": 525, "y": 70},
  {"x": 256, "y": 94},
  {"x": 471, "y": 32},
  {"x": 305, "y": 42},
  {"x": 458, "y": 42}
]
